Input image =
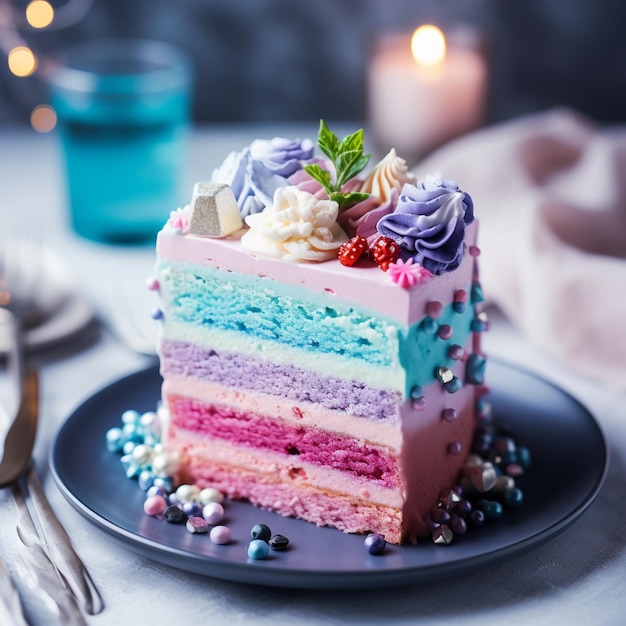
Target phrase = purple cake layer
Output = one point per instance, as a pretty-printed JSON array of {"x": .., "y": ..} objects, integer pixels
[
  {"x": 317, "y": 447},
  {"x": 290, "y": 382}
]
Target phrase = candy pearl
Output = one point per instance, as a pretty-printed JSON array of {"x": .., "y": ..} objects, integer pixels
[
  {"x": 463, "y": 508},
  {"x": 131, "y": 469},
  {"x": 185, "y": 493},
  {"x": 220, "y": 535},
  {"x": 150, "y": 423},
  {"x": 156, "y": 314},
  {"x": 196, "y": 525},
  {"x": 213, "y": 512},
  {"x": 156, "y": 491},
  {"x": 458, "y": 526},
  {"x": 142, "y": 454},
  {"x": 165, "y": 482},
  {"x": 261, "y": 531},
  {"x": 429, "y": 326},
  {"x": 192, "y": 509},
  {"x": 375, "y": 543},
  {"x": 440, "y": 516},
  {"x": 514, "y": 469},
  {"x": 114, "y": 439},
  {"x": 258, "y": 549},
  {"x": 456, "y": 352},
  {"x": 445, "y": 332},
  {"x": 145, "y": 480},
  {"x": 492, "y": 510},
  {"x": 128, "y": 447},
  {"x": 460, "y": 295},
  {"x": 174, "y": 514},
  {"x": 474, "y": 251},
  {"x": 210, "y": 494},
  {"x": 453, "y": 385},
  {"x": 513, "y": 497},
  {"x": 130, "y": 416},
  {"x": 154, "y": 505},
  {"x": 165, "y": 464},
  {"x": 476, "y": 518},
  {"x": 523, "y": 457},
  {"x": 434, "y": 309},
  {"x": 449, "y": 415},
  {"x": 419, "y": 404},
  {"x": 454, "y": 448},
  {"x": 430, "y": 523},
  {"x": 278, "y": 543},
  {"x": 152, "y": 284}
]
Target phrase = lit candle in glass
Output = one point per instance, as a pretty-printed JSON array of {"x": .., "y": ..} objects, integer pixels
[{"x": 424, "y": 91}]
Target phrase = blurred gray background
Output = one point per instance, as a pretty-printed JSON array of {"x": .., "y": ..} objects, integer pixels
[{"x": 289, "y": 60}]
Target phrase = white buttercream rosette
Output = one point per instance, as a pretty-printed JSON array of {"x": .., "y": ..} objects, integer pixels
[{"x": 296, "y": 227}]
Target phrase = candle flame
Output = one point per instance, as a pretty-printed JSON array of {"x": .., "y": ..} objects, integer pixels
[{"x": 428, "y": 45}]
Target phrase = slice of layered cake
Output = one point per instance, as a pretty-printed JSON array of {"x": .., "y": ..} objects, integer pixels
[{"x": 319, "y": 340}]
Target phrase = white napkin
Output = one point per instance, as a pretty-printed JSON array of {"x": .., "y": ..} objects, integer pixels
[{"x": 550, "y": 194}]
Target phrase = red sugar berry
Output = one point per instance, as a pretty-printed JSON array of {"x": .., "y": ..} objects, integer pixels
[
  {"x": 384, "y": 252},
  {"x": 351, "y": 251}
]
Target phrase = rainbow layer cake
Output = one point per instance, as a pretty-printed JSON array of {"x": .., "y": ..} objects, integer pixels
[{"x": 320, "y": 335}]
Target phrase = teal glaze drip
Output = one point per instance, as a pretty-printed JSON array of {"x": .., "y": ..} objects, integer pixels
[
  {"x": 421, "y": 352},
  {"x": 313, "y": 322}
]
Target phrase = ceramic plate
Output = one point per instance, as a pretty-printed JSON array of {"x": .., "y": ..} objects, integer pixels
[{"x": 569, "y": 465}]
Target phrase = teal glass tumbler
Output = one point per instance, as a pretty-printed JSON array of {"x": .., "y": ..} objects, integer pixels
[{"x": 123, "y": 110}]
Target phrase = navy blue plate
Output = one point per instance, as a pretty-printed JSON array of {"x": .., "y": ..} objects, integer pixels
[{"x": 569, "y": 466}]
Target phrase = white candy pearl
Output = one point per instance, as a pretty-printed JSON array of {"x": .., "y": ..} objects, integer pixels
[
  {"x": 142, "y": 454},
  {"x": 213, "y": 513},
  {"x": 187, "y": 493},
  {"x": 210, "y": 494},
  {"x": 165, "y": 464}
]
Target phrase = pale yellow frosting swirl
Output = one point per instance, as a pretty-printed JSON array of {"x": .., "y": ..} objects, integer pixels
[
  {"x": 390, "y": 173},
  {"x": 296, "y": 227}
]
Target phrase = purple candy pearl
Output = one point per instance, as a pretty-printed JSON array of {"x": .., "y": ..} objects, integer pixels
[{"x": 375, "y": 543}]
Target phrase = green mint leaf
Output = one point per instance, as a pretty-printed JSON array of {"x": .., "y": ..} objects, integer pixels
[
  {"x": 320, "y": 175},
  {"x": 328, "y": 141},
  {"x": 344, "y": 199},
  {"x": 352, "y": 142},
  {"x": 349, "y": 164}
]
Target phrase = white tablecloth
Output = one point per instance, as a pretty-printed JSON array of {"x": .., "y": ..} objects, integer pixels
[{"x": 575, "y": 578}]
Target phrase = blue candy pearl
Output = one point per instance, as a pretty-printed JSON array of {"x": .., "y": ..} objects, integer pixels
[
  {"x": 114, "y": 439},
  {"x": 375, "y": 543},
  {"x": 192, "y": 509},
  {"x": 146, "y": 480},
  {"x": 258, "y": 549},
  {"x": 261, "y": 531},
  {"x": 513, "y": 497}
]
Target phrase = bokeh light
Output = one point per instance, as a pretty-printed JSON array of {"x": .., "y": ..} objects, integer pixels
[
  {"x": 428, "y": 45},
  {"x": 39, "y": 13},
  {"x": 22, "y": 61},
  {"x": 43, "y": 118}
]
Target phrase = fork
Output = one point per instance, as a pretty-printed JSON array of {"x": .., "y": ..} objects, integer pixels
[{"x": 19, "y": 272}]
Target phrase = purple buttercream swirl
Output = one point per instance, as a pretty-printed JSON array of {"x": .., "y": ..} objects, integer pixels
[
  {"x": 258, "y": 170},
  {"x": 429, "y": 223}
]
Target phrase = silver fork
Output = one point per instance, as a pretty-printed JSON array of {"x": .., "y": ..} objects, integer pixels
[{"x": 19, "y": 272}]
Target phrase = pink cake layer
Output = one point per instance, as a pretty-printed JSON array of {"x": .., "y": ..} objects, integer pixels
[
  {"x": 324, "y": 508},
  {"x": 385, "y": 433},
  {"x": 253, "y": 431}
]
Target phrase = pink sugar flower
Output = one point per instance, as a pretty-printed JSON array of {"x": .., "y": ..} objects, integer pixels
[
  {"x": 407, "y": 274},
  {"x": 179, "y": 220}
]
